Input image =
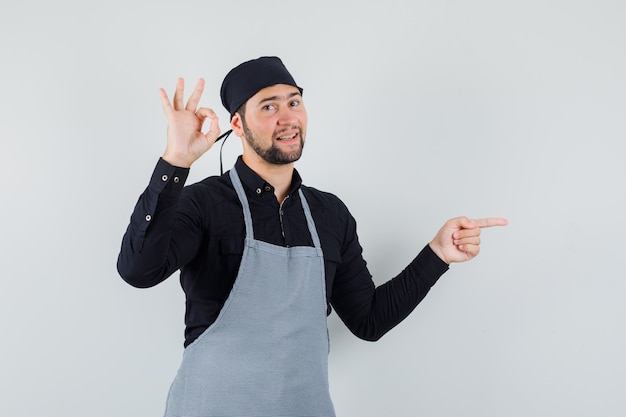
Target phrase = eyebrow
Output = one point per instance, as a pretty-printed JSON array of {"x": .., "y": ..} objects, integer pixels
[{"x": 274, "y": 98}]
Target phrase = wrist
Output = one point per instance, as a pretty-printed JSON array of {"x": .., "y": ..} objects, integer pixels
[{"x": 176, "y": 159}]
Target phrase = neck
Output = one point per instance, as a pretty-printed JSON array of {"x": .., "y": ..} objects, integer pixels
[{"x": 279, "y": 176}]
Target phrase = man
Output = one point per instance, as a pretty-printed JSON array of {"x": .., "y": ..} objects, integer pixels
[{"x": 263, "y": 257}]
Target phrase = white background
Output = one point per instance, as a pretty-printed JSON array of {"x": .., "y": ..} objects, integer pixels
[{"x": 418, "y": 111}]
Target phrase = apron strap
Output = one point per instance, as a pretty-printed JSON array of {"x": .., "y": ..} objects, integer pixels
[
  {"x": 310, "y": 222},
  {"x": 247, "y": 216}
]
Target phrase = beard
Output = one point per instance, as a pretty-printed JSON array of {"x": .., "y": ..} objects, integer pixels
[{"x": 273, "y": 154}]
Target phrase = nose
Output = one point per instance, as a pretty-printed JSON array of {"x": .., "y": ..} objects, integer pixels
[{"x": 286, "y": 116}]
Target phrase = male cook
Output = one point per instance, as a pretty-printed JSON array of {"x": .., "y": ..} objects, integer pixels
[{"x": 262, "y": 257}]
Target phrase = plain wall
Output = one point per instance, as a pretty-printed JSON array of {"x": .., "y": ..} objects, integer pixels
[{"x": 418, "y": 111}]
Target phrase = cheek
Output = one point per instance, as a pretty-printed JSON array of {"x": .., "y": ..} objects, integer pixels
[
  {"x": 303, "y": 121},
  {"x": 261, "y": 127}
]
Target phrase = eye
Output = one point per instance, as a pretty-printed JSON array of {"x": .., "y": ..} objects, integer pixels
[
  {"x": 269, "y": 107},
  {"x": 294, "y": 103}
]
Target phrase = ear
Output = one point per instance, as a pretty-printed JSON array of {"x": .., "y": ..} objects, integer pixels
[{"x": 237, "y": 125}]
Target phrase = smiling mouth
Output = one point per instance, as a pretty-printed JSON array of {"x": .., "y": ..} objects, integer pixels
[{"x": 287, "y": 137}]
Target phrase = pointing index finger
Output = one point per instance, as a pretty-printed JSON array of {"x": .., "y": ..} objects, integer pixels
[{"x": 490, "y": 222}]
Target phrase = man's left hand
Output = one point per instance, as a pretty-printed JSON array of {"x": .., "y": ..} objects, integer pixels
[{"x": 459, "y": 239}]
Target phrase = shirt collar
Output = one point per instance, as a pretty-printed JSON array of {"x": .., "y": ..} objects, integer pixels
[{"x": 253, "y": 181}]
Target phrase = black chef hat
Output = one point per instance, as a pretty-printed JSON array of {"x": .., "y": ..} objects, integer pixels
[{"x": 247, "y": 79}]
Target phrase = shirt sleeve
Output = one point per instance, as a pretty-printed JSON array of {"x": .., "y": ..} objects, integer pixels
[
  {"x": 369, "y": 311},
  {"x": 149, "y": 252}
]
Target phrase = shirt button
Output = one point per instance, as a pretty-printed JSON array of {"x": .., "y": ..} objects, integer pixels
[
  {"x": 176, "y": 179},
  {"x": 268, "y": 188},
  {"x": 164, "y": 177},
  {"x": 148, "y": 217},
  {"x": 258, "y": 191}
]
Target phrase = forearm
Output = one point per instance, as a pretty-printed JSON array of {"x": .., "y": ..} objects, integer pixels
[
  {"x": 147, "y": 255},
  {"x": 370, "y": 312}
]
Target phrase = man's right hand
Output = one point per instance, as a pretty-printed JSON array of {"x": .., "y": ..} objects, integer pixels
[{"x": 185, "y": 140}]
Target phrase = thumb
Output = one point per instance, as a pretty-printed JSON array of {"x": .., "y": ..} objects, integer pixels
[{"x": 214, "y": 129}]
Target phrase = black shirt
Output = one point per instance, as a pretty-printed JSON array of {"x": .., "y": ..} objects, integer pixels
[{"x": 200, "y": 230}]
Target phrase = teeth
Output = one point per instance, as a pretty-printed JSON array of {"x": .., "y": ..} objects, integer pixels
[{"x": 287, "y": 137}]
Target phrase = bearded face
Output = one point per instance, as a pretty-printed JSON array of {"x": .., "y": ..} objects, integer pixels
[{"x": 277, "y": 151}]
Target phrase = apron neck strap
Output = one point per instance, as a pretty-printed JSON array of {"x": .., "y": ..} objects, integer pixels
[{"x": 247, "y": 215}]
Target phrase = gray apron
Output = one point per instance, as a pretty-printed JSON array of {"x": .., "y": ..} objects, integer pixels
[{"x": 266, "y": 355}]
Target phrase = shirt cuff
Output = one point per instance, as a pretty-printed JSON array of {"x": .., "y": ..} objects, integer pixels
[
  {"x": 430, "y": 265},
  {"x": 168, "y": 180}
]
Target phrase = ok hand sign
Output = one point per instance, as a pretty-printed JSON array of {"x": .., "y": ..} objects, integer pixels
[{"x": 185, "y": 140}]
